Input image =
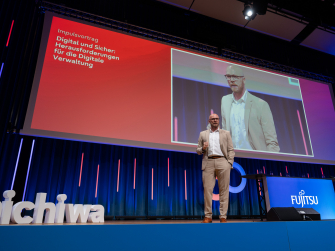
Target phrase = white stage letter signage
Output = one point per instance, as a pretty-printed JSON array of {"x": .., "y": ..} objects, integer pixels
[{"x": 53, "y": 213}]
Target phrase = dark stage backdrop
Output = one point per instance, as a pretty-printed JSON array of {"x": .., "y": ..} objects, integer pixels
[{"x": 159, "y": 181}]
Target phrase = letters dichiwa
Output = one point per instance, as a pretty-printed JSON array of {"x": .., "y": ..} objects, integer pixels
[{"x": 77, "y": 213}]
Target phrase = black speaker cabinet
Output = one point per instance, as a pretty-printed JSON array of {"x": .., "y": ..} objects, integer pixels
[
  {"x": 309, "y": 213},
  {"x": 283, "y": 214}
]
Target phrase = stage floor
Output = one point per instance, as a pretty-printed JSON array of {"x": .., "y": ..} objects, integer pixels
[{"x": 167, "y": 235}]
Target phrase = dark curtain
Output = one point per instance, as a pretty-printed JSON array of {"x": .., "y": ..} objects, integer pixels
[
  {"x": 20, "y": 30},
  {"x": 56, "y": 164}
]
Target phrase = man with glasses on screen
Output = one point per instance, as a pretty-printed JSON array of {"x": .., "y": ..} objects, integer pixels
[
  {"x": 218, "y": 157},
  {"x": 247, "y": 117}
]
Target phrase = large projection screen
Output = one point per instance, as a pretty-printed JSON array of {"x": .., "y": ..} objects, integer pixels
[{"x": 99, "y": 85}]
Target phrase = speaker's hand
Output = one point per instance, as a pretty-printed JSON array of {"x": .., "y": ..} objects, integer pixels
[{"x": 205, "y": 146}]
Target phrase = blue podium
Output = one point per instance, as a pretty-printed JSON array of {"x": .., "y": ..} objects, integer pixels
[{"x": 278, "y": 191}]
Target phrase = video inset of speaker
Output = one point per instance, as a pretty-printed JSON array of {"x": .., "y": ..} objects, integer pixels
[{"x": 292, "y": 214}]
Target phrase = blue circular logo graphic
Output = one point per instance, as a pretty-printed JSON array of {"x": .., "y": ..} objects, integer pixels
[{"x": 240, "y": 187}]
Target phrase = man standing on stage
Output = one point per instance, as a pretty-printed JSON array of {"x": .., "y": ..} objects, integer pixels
[
  {"x": 218, "y": 157},
  {"x": 247, "y": 117}
]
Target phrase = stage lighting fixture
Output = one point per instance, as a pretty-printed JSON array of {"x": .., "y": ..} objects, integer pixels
[{"x": 248, "y": 12}]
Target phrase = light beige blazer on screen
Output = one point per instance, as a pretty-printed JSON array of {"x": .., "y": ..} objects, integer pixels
[
  {"x": 258, "y": 121},
  {"x": 226, "y": 145}
]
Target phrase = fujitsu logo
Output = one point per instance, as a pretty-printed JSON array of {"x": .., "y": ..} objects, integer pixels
[{"x": 304, "y": 200}]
